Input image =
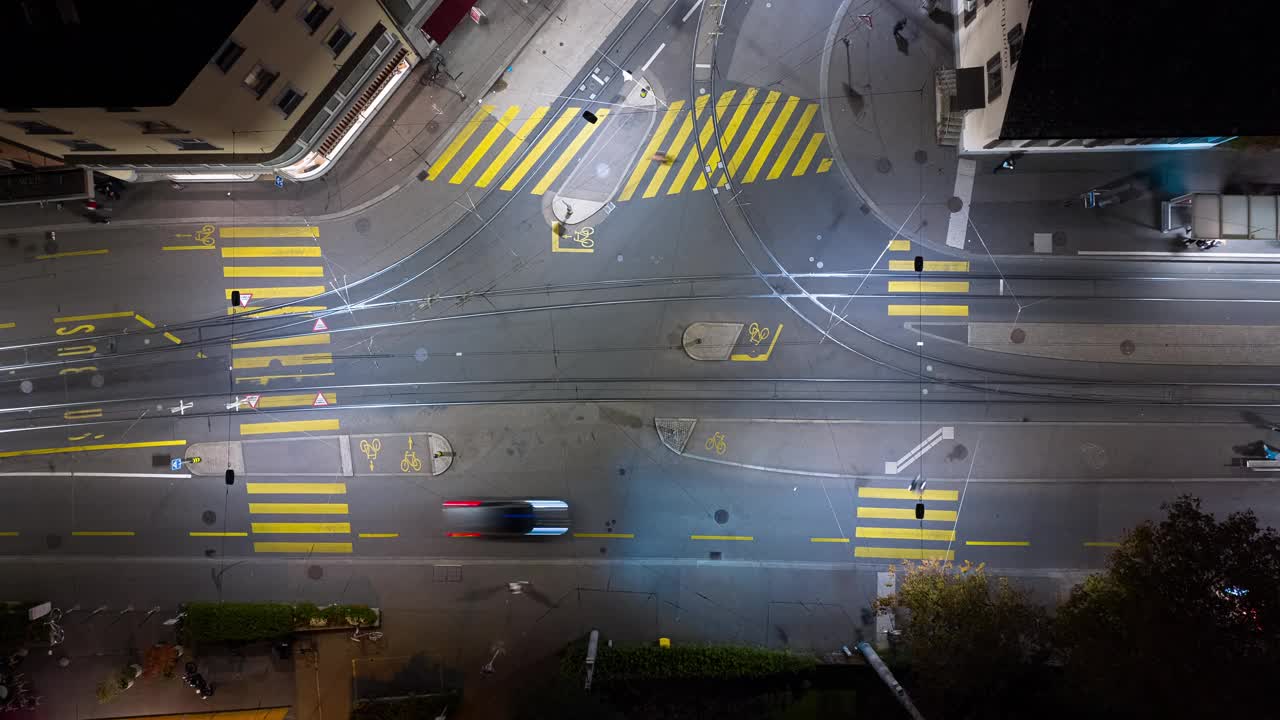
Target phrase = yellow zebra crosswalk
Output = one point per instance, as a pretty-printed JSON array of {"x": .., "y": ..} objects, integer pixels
[
  {"x": 327, "y": 527},
  {"x": 914, "y": 540},
  {"x": 921, "y": 287},
  {"x": 699, "y": 144}
]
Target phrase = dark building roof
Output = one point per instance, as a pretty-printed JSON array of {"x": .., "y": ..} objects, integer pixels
[
  {"x": 1146, "y": 68},
  {"x": 108, "y": 53}
]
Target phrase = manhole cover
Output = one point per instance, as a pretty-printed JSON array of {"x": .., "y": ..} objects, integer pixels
[
  {"x": 865, "y": 208},
  {"x": 722, "y": 516},
  {"x": 363, "y": 225},
  {"x": 714, "y": 554},
  {"x": 1127, "y": 347},
  {"x": 433, "y": 126},
  {"x": 1059, "y": 239},
  {"x": 921, "y": 157},
  {"x": 602, "y": 170},
  {"x": 208, "y": 517},
  {"x": 1095, "y": 456},
  {"x": 958, "y": 453},
  {"x": 27, "y": 387},
  {"x": 420, "y": 354},
  {"x": 315, "y": 572},
  {"x": 883, "y": 165},
  {"x": 955, "y": 204},
  {"x": 53, "y": 542},
  {"x": 97, "y": 381},
  {"x": 1018, "y": 336}
]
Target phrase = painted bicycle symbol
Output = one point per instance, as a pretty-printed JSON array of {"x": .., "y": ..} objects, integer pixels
[
  {"x": 716, "y": 442},
  {"x": 582, "y": 236},
  {"x": 756, "y": 334},
  {"x": 371, "y": 450},
  {"x": 205, "y": 235},
  {"x": 410, "y": 461}
]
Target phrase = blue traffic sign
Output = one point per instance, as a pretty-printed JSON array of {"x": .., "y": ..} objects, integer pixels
[
  {"x": 175, "y": 464},
  {"x": 279, "y": 181}
]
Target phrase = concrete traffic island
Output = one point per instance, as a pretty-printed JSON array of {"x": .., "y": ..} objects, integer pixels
[
  {"x": 442, "y": 453},
  {"x": 711, "y": 340}
]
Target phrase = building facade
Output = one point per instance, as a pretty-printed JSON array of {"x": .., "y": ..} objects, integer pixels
[{"x": 150, "y": 90}]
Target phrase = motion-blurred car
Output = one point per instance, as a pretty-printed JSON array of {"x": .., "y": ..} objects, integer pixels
[{"x": 505, "y": 518}]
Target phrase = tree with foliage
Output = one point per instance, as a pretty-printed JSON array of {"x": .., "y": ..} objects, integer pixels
[
  {"x": 1183, "y": 623},
  {"x": 973, "y": 645}
]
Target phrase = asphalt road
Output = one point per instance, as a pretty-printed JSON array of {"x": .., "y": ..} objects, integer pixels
[{"x": 545, "y": 356}]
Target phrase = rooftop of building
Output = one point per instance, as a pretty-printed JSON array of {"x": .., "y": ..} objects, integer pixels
[
  {"x": 1145, "y": 68},
  {"x": 108, "y": 53}
]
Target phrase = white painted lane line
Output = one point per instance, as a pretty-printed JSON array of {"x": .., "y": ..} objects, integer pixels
[
  {"x": 596, "y": 78},
  {"x": 701, "y": 65},
  {"x": 688, "y": 14},
  {"x": 652, "y": 57},
  {"x": 77, "y": 473}
]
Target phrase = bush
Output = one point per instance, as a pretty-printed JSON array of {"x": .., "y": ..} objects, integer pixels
[
  {"x": 405, "y": 708},
  {"x": 247, "y": 622},
  {"x": 694, "y": 662}
]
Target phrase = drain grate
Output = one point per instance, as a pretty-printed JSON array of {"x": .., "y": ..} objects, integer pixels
[
  {"x": 715, "y": 554},
  {"x": 446, "y": 573}
]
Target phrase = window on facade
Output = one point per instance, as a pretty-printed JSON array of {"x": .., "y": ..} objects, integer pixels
[
  {"x": 339, "y": 39},
  {"x": 260, "y": 79},
  {"x": 995, "y": 78},
  {"x": 289, "y": 101},
  {"x": 84, "y": 146},
  {"x": 193, "y": 144},
  {"x": 159, "y": 127},
  {"x": 35, "y": 127},
  {"x": 227, "y": 55},
  {"x": 313, "y": 14},
  {"x": 1015, "y": 44}
]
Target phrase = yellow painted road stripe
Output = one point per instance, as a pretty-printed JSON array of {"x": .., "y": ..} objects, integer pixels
[
  {"x": 6, "y": 326},
  {"x": 218, "y": 534},
  {"x": 888, "y": 553},
  {"x": 75, "y": 253},
  {"x": 540, "y": 147},
  {"x": 296, "y": 488},
  {"x": 279, "y": 401},
  {"x": 283, "y": 251},
  {"x": 82, "y": 414},
  {"x": 722, "y": 537},
  {"x": 691, "y": 159},
  {"x": 828, "y": 540},
  {"x": 1102, "y": 544},
  {"x": 927, "y": 286},
  {"x": 574, "y": 146},
  {"x": 999, "y": 543},
  {"x": 298, "y": 528},
  {"x": 929, "y": 310},
  {"x": 379, "y": 535},
  {"x": 651, "y": 149},
  {"x": 749, "y": 139},
  {"x": 824, "y": 165},
  {"x": 297, "y": 508},
  {"x": 501, "y": 161},
  {"x": 270, "y": 231},
  {"x": 931, "y": 265},
  {"x": 673, "y": 152},
  {"x": 290, "y": 310},
  {"x": 92, "y": 448},
  {"x": 904, "y": 494},
  {"x": 172, "y": 338},
  {"x": 269, "y": 428},
  {"x": 726, "y": 137},
  {"x": 807, "y": 156},
  {"x": 784, "y": 157},
  {"x": 482, "y": 149},
  {"x": 144, "y": 321},
  {"x": 899, "y": 245},
  {"x": 317, "y": 339},
  {"x": 264, "y": 379},
  {"x": 302, "y": 547},
  {"x": 458, "y": 141},
  {"x": 244, "y": 271},
  {"x": 271, "y": 293},
  {"x": 620, "y": 536},
  {"x": 771, "y": 138},
  {"x": 103, "y": 533},
  {"x": 96, "y": 316},
  {"x": 264, "y": 361},
  {"x": 8, "y": 533},
  {"x": 883, "y": 533},
  {"x": 884, "y": 513}
]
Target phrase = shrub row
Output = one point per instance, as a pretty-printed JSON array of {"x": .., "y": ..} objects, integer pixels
[
  {"x": 247, "y": 622},
  {"x": 403, "y": 708},
  {"x": 695, "y": 662}
]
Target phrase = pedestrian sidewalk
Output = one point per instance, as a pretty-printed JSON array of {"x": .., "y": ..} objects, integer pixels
[{"x": 385, "y": 157}]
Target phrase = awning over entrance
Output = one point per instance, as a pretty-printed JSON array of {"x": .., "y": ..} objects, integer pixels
[{"x": 445, "y": 18}]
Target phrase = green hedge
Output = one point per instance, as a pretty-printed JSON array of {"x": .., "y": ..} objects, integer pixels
[
  {"x": 247, "y": 622},
  {"x": 694, "y": 662},
  {"x": 406, "y": 708}
]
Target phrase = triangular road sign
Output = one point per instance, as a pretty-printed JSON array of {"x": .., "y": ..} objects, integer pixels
[
  {"x": 319, "y": 325},
  {"x": 252, "y": 400},
  {"x": 245, "y": 298},
  {"x": 319, "y": 401}
]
